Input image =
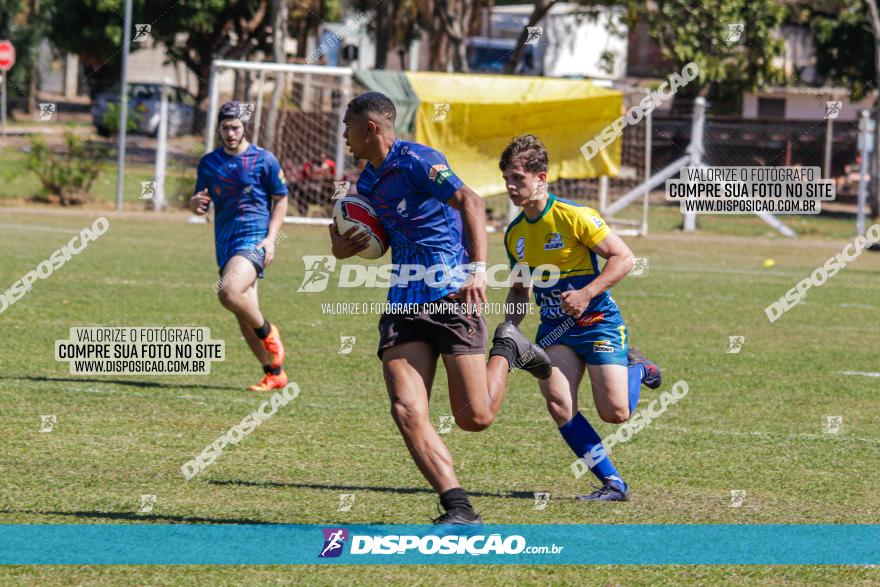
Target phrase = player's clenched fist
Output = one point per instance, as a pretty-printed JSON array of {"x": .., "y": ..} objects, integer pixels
[
  {"x": 199, "y": 202},
  {"x": 348, "y": 244}
]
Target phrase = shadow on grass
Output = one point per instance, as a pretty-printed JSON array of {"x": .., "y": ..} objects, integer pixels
[
  {"x": 132, "y": 382},
  {"x": 403, "y": 490},
  {"x": 140, "y": 517}
]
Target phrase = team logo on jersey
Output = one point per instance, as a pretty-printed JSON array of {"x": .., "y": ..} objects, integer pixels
[
  {"x": 439, "y": 173},
  {"x": 553, "y": 241},
  {"x": 401, "y": 207},
  {"x": 520, "y": 248},
  {"x": 597, "y": 221},
  {"x": 281, "y": 176},
  {"x": 603, "y": 346}
]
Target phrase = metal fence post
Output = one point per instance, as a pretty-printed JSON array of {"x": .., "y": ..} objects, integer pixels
[{"x": 696, "y": 150}]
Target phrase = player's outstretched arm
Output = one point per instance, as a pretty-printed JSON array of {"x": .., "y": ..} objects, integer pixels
[{"x": 619, "y": 259}]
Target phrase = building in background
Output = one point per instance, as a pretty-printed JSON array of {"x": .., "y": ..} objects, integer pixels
[{"x": 570, "y": 41}]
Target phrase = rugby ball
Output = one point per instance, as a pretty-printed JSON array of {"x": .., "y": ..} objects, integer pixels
[{"x": 354, "y": 210}]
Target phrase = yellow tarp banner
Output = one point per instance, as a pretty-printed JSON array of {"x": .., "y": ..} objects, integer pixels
[{"x": 486, "y": 111}]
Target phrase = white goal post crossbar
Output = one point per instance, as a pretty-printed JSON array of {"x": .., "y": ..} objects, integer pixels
[{"x": 263, "y": 67}]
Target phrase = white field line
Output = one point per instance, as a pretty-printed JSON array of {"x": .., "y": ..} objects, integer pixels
[
  {"x": 802, "y": 435},
  {"x": 38, "y": 228},
  {"x": 863, "y": 373}
]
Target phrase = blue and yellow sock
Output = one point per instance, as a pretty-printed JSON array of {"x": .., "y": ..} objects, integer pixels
[
  {"x": 581, "y": 437},
  {"x": 636, "y": 374}
]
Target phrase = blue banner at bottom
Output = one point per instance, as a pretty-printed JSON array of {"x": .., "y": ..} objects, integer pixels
[{"x": 624, "y": 544}]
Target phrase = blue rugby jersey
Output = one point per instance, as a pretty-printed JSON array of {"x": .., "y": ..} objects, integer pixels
[
  {"x": 410, "y": 191},
  {"x": 241, "y": 188}
]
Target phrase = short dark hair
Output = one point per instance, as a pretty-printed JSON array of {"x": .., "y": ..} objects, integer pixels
[
  {"x": 374, "y": 103},
  {"x": 528, "y": 151}
]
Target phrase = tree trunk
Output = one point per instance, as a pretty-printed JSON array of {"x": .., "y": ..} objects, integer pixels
[
  {"x": 279, "y": 29},
  {"x": 382, "y": 33},
  {"x": 542, "y": 7},
  {"x": 874, "y": 19}
]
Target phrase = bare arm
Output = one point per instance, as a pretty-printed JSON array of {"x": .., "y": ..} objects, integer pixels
[
  {"x": 199, "y": 203},
  {"x": 473, "y": 215},
  {"x": 279, "y": 211},
  {"x": 619, "y": 263},
  {"x": 518, "y": 297},
  {"x": 619, "y": 259}
]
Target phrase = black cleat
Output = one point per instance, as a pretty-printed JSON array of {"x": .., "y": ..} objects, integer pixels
[
  {"x": 526, "y": 355},
  {"x": 653, "y": 373},
  {"x": 608, "y": 492},
  {"x": 459, "y": 517}
]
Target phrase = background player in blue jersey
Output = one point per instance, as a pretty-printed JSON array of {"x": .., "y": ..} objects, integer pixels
[
  {"x": 580, "y": 322},
  {"x": 433, "y": 220},
  {"x": 247, "y": 187}
]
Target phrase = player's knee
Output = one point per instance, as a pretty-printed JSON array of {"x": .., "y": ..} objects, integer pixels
[
  {"x": 475, "y": 422},
  {"x": 560, "y": 412},
  {"x": 228, "y": 299},
  {"x": 406, "y": 415},
  {"x": 615, "y": 414}
]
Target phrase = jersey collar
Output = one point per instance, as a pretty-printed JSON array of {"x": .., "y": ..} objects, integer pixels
[
  {"x": 392, "y": 154},
  {"x": 546, "y": 209}
]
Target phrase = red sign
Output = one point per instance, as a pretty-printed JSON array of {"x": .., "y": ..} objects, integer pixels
[{"x": 7, "y": 55}]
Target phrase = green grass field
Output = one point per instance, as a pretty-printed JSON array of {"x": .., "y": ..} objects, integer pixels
[
  {"x": 20, "y": 184},
  {"x": 752, "y": 421}
]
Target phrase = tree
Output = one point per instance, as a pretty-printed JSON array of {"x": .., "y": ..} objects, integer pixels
[
  {"x": 846, "y": 34},
  {"x": 21, "y": 24},
  {"x": 195, "y": 32},
  {"x": 727, "y": 68},
  {"x": 446, "y": 25},
  {"x": 279, "y": 28},
  {"x": 540, "y": 10},
  {"x": 696, "y": 31}
]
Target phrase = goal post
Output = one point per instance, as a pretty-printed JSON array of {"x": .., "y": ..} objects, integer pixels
[{"x": 307, "y": 135}]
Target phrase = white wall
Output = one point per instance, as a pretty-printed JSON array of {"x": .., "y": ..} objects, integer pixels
[{"x": 576, "y": 48}]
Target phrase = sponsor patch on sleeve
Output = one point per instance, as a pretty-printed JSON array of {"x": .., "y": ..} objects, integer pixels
[{"x": 439, "y": 173}]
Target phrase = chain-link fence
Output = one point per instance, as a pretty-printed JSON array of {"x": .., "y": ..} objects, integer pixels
[{"x": 307, "y": 133}]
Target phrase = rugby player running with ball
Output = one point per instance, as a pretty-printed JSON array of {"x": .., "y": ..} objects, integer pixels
[{"x": 432, "y": 219}]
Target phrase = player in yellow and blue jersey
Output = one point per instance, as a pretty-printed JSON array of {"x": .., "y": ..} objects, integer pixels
[{"x": 581, "y": 324}]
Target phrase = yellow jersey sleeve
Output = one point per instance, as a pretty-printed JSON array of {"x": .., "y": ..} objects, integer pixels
[{"x": 588, "y": 227}]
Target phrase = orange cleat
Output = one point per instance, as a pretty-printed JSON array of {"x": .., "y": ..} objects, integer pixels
[
  {"x": 274, "y": 347},
  {"x": 270, "y": 382}
]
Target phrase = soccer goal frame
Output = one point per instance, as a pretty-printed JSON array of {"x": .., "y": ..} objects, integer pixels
[{"x": 282, "y": 72}]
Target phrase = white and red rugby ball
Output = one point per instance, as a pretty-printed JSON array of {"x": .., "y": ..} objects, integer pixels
[{"x": 354, "y": 210}]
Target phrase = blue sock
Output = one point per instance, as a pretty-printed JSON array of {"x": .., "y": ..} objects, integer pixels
[
  {"x": 581, "y": 437},
  {"x": 636, "y": 374}
]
